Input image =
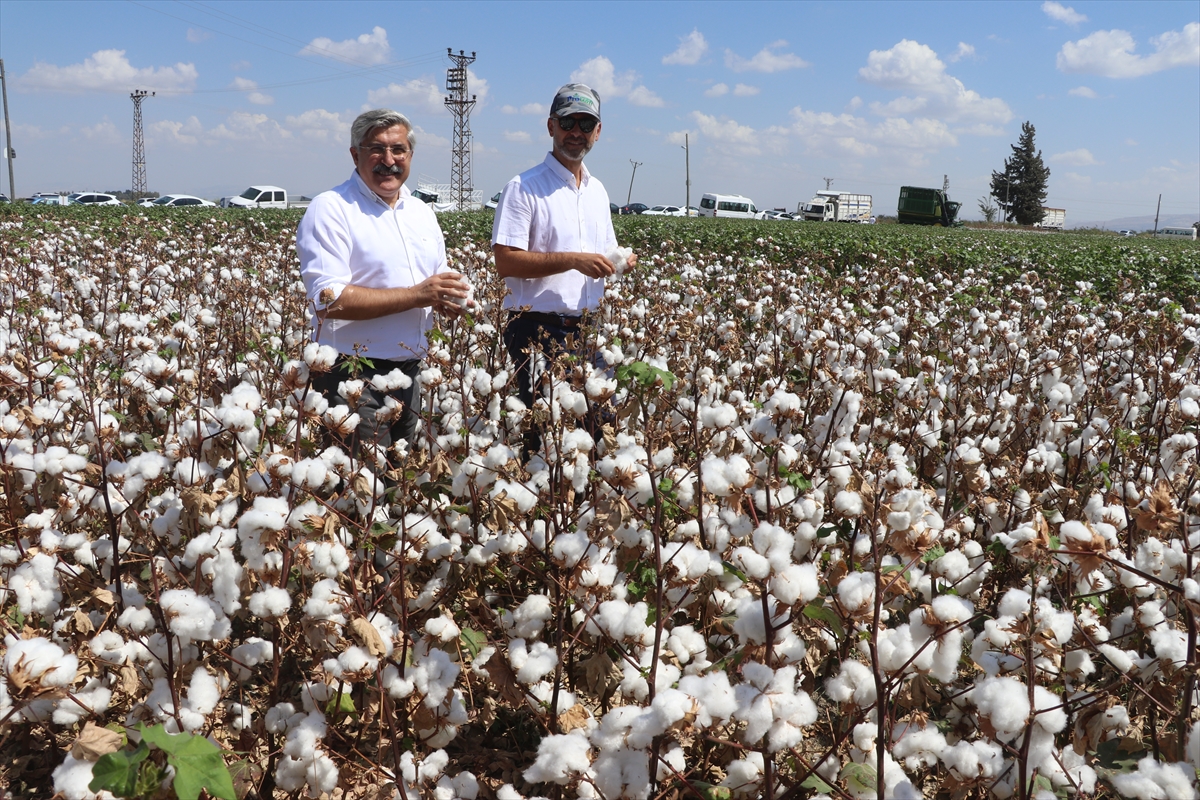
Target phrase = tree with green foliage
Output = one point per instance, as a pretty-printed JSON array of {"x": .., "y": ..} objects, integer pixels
[
  {"x": 988, "y": 209},
  {"x": 1020, "y": 190}
]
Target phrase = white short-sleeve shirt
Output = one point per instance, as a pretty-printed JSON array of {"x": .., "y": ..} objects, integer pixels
[
  {"x": 543, "y": 211},
  {"x": 349, "y": 236}
]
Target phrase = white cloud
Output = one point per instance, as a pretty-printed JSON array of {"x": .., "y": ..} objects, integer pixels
[
  {"x": 964, "y": 51},
  {"x": 426, "y": 139},
  {"x": 418, "y": 94},
  {"x": 1061, "y": 13},
  {"x": 600, "y": 74},
  {"x": 320, "y": 125},
  {"x": 254, "y": 96},
  {"x": 854, "y": 104},
  {"x": 847, "y": 135},
  {"x": 641, "y": 96},
  {"x": 369, "y": 48},
  {"x": 1075, "y": 158},
  {"x": 691, "y": 49},
  {"x": 1109, "y": 54},
  {"x": 106, "y": 70},
  {"x": 239, "y": 66},
  {"x": 765, "y": 60},
  {"x": 243, "y": 127},
  {"x": 1131, "y": 142},
  {"x": 477, "y": 86},
  {"x": 727, "y": 131},
  {"x": 716, "y": 90},
  {"x": 521, "y": 137},
  {"x": 529, "y": 108},
  {"x": 680, "y": 137},
  {"x": 197, "y": 35},
  {"x": 102, "y": 132},
  {"x": 914, "y": 67},
  {"x": 743, "y": 90},
  {"x": 166, "y": 130},
  {"x": 1083, "y": 91}
]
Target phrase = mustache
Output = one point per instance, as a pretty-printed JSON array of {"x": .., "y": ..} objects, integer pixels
[{"x": 384, "y": 169}]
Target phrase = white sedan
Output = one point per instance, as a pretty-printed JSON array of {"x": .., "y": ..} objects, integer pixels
[
  {"x": 177, "y": 200},
  {"x": 665, "y": 211},
  {"x": 92, "y": 199}
]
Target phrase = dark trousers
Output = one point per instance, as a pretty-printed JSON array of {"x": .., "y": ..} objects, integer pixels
[
  {"x": 528, "y": 335},
  {"x": 371, "y": 402}
]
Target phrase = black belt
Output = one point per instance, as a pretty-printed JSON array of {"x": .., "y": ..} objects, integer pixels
[{"x": 542, "y": 318}]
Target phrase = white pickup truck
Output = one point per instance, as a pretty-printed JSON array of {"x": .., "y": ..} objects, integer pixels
[{"x": 264, "y": 197}]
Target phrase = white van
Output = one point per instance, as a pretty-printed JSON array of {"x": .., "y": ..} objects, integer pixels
[
  {"x": 729, "y": 205},
  {"x": 1176, "y": 233}
]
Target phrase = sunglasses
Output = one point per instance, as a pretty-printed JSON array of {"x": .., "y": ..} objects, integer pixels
[{"x": 586, "y": 125}]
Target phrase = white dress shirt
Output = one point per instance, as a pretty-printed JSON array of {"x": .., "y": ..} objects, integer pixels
[
  {"x": 349, "y": 236},
  {"x": 543, "y": 211}
]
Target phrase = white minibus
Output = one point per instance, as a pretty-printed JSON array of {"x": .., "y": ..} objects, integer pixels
[
  {"x": 729, "y": 205},
  {"x": 1176, "y": 233}
]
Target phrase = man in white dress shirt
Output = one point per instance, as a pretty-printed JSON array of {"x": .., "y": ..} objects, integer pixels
[
  {"x": 373, "y": 262},
  {"x": 550, "y": 236}
]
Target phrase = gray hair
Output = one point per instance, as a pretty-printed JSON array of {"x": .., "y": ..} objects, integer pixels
[{"x": 369, "y": 121}]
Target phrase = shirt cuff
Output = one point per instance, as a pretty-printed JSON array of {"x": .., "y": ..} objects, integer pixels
[{"x": 328, "y": 295}]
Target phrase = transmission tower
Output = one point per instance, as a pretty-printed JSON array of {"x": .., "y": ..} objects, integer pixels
[
  {"x": 828, "y": 183},
  {"x": 460, "y": 106},
  {"x": 139, "y": 145}
]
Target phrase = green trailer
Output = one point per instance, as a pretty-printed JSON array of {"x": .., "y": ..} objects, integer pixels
[{"x": 919, "y": 206}]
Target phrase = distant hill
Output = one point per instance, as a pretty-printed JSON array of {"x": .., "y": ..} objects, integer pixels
[{"x": 1145, "y": 223}]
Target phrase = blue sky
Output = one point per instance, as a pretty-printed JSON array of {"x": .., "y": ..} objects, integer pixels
[{"x": 773, "y": 97}]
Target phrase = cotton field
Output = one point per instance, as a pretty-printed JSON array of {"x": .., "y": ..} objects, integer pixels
[{"x": 878, "y": 513}]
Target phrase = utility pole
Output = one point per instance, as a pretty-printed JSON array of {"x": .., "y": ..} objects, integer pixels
[
  {"x": 828, "y": 183},
  {"x": 1156, "y": 215},
  {"x": 636, "y": 164},
  {"x": 687, "y": 167},
  {"x": 8, "y": 148},
  {"x": 460, "y": 106},
  {"x": 139, "y": 144}
]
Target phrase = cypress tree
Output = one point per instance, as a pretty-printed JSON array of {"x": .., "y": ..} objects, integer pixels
[{"x": 1020, "y": 190}]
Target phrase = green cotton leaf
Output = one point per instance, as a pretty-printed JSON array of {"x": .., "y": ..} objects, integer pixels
[
  {"x": 340, "y": 703},
  {"x": 933, "y": 554},
  {"x": 859, "y": 777},
  {"x": 730, "y": 569},
  {"x": 197, "y": 761},
  {"x": 815, "y": 783},
  {"x": 1042, "y": 784},
  {"x": 117, "y": 772},
  {"x": 712, "y": 792},
  {"x": 472, "y": 641},
  {"x": 821, "y": 613}
]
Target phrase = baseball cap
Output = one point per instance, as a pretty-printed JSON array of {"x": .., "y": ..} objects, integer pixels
[{"x": 575, "y": 98}]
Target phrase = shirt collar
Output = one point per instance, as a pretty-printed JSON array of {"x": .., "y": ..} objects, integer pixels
[
  {"x": 567, "y": 176},
  {"x": 366, "y": 191}
]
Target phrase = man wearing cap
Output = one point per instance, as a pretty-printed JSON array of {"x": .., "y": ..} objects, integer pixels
[
  {"x": 373, "y": 262},
  {"x": 550, "y": 236}
]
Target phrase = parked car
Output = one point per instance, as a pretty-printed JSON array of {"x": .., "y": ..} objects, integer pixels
[
  {"x": 177, "y": 200},
  {"x": 494, "y": 202},
  {"x": 692, "y": 211},
  {"x": 634, "y": 208},
  {"x": 613, "y": 208},
  {"x": 1126, "y": 233},
  {"x": 3, "y": 198},
  {"x": 146, "y": 202},
  {"x": 92, "y": 199},
  {"x": 665, "y": 211},
  {"x": 778, "y": 215},
  {"x": 264, "y": 197},
  {"x": 48, "y": 199}
]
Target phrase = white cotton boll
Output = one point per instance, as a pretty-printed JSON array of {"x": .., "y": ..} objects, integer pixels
[
  {"x": 558, "y": 756},
  {"x": 192, "y": 616},
  {"x": 271, "y": 601},
  {"x": 203, "y": 692},
  {"x": 918, "y": 747},
  {"x": 1050, "y": 715},
  {"x": 856, "y": 592},
  {"x": 715, "y": 699},
  {"x": 619, "y": 257},
  {"x": 190, "y": 472},
  {"x": 743, "y": 776},
  {"x": 968, "y": 761},
  {"x": 92, "y": 699},
  {"x": 71, "y": 779},
  {"x": 1156, "y": 781},
  {"x": 854, "y": 683},
  {"x": 569, "y": 548},
  {"x": 42, "y": 661},
  {"x": 950, "y": 609},
  {"x": 110, "y": 647},
  {"x": 685, "y": 641},
  {"x": 531, "y": 616},
  {"x": 442, "y": 628},
  {"x": 848, "y": 504},
  {"x": 1005, "y": 703},
  {"x": 755, "y": 566},
  {"x": 1121, "y": 660},
  {"x": 795, "y": 583},
  {"x": 136, "y": 620},
  {"x": 36, "y": 585},
  {"x": 531, "y": 663}
]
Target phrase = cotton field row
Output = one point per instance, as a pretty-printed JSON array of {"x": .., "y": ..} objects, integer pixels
[{"x": 891, "y": 513}]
